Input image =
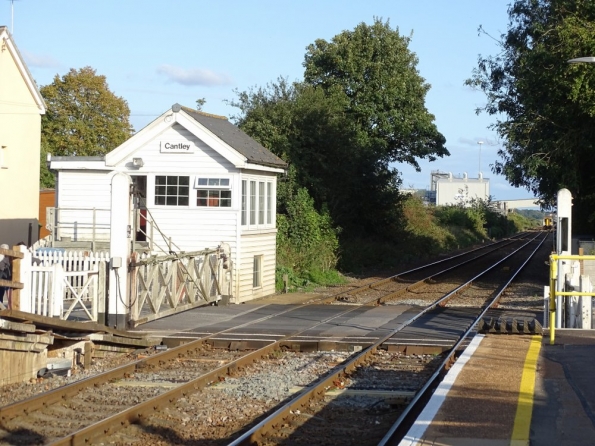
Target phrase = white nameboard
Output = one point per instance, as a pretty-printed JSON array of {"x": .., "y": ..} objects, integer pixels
[{"x": 184, "y": 146}]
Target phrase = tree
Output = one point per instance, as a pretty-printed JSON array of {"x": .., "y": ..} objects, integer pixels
[
  {"x": 200, "y": 103},
  {"x": 374, "y": 68},
  {"x": 545, "y": 107},
  {"x": 311, "y": 130},
  {"x": 83, "y": 116},
  {"x": 46, "y": 178},
  {"x": 360, "y": 108}
]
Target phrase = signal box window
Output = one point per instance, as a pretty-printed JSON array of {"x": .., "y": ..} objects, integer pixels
[
  {"x": 172, "y": 190},
  {"x": 213, "y": 192}
]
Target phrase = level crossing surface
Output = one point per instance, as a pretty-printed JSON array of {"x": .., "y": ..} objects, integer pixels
[
  {"x": 436, "y": 330},
  {"x": 273, "y": 321}
]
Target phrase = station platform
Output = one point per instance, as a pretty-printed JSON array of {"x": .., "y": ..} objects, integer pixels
[{"x": 514, "y": 390}]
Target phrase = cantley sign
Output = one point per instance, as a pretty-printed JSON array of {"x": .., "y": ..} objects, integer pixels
[{"x": 176, "y": 147}]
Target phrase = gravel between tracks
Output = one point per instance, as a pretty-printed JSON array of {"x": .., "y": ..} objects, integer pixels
[
  {"x": 20, "y": 391},
  {"x": 525, "y": 293},
  {"x": 222, "y": 410}
]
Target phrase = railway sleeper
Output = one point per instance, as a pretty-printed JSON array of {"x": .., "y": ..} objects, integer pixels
[{"x": 509, "y": 326}]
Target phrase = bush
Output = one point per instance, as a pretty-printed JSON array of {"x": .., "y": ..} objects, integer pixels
[
  {"x": 308, "y": 246},
  {"x": 307, "y": 243}
]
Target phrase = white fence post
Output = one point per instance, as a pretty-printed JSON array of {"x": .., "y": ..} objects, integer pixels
[
  {"x": 120, "y": 238},
  {"x": 26, "y": 303},
  {"x": 57, "y": 293}
]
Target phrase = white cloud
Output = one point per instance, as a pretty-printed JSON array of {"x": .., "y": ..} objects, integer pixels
[
  {"x": 40, "y": 61},
  {"x": 195, "y": 76}
]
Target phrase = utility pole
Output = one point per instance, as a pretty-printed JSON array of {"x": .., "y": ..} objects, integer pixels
[{"x": 12, "y": 17}]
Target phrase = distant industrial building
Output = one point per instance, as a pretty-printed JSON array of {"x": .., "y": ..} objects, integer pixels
[{"x": 448, "y": 189}]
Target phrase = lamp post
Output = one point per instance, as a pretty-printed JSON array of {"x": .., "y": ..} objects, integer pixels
[
  {"x": 589, "y": 59},
  {"x": 480, "y": 143}
]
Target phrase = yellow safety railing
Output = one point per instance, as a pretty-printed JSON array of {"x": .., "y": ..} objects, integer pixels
[{"x": 553, "y": 293}]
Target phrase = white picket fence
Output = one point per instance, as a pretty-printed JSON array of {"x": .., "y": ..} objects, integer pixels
[
  {"x": 67, "y": 284},
  {"x": 71, "y": 285}
]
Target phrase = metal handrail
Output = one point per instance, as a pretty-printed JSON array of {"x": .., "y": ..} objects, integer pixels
[{"x": 554, "y": 258}]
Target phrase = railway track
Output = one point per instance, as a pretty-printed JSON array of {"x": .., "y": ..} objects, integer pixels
[
  {"x": 311, "y": 402},
  {"x": 153, "y": 398}
]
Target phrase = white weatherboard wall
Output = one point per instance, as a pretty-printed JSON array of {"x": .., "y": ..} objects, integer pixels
[
  {"x": 252, "y": 245},
  {"x": 191, "y": 227},
  {"x": 79, "y": 190}
]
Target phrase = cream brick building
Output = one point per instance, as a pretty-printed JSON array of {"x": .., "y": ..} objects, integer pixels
[{"x": 21, "y": 107}]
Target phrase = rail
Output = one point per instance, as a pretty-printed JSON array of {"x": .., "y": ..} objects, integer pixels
[
  {"x": 78, "y": 224},
  {"x": 137, "y": 413},
  {"x": 255, "y": 434}
]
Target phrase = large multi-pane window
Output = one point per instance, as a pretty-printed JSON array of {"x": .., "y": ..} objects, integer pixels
[
  {"x": 252, "y": 202},
  {"x": 213, "y": 192},
  {"x": 261, "y": 203},
  {"x": 244, "y": 203},
  {"x": 257, "y": 203},
  {"x": 269, "y": 202},
  {"x": 172, "y": 190}
]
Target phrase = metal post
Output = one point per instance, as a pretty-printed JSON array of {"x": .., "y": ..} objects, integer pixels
[
  {"x": 94, "y": 223},
  {"x": 560, "y": 285},
  {"x": 553, "y": 274}
]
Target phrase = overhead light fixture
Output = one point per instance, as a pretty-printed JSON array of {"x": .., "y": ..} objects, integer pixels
[
  {"x": 138, "y": 162},
  {"x": 589, "y": 59}
]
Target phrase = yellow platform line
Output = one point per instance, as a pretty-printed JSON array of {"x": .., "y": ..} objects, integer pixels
[{"x": 524, "y": 410}]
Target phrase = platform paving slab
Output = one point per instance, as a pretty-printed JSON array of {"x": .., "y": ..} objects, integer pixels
[
  {"x": 480, "y": 407},
  {"x": 565, "y": 391}
]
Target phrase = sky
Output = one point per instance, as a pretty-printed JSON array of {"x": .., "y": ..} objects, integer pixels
[{"x": 158, "y": 53}]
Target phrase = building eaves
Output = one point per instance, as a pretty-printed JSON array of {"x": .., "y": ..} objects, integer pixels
[
  {"x": 236, "y": 138},
  {"x": 78, "y": 158},
  {"x": 37, "y": 94}
]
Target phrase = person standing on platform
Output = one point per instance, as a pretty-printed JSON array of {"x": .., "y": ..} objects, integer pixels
[{"x": 5, "y": 271}]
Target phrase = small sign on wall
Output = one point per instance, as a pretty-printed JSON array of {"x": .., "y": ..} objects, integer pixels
[{"x": 177, "y": 146}]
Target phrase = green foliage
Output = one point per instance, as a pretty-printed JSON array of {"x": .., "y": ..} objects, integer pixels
[
  {"x": 46, "y": 178},
  {"x": 83, "y": 116},
  {"x": 360, "y": 108},
  {"x": 376, "y": 72},
  {"x": 519, "y": 222},
  {"x": 310, "y": 129},
  {"x": 543, "y": 106},
  {"x": 424, "y": 230},
  {"x": 429, "y": 231},
  {"x": 307, "y": 243},
  {"x": 531, "y": 214}
]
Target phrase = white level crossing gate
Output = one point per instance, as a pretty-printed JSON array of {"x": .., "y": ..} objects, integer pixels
[
  {"x": 72, "y": 285},
  {"x": 165, "y": 285},
  {"x": 67, "y": 285}
]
